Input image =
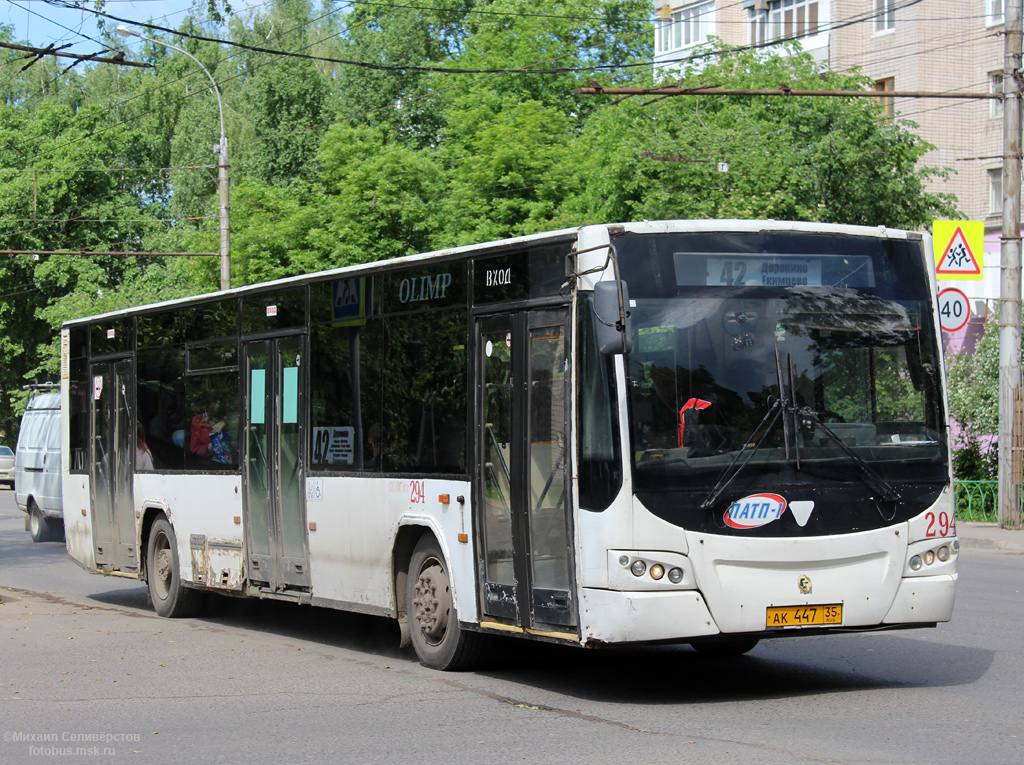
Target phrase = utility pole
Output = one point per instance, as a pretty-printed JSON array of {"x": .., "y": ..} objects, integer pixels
[
  {"x": 1011, "y": 405},
  {"x": 224, "y": 204}
]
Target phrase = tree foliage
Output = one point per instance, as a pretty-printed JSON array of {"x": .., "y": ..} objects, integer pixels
[{"x": 339, "y": 163}]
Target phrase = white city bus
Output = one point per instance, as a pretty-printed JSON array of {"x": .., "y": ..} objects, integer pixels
[{"x": 704, "y": 432}]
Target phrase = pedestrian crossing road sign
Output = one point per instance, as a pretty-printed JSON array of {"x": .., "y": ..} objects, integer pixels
[{"x": 959, "y": 247}]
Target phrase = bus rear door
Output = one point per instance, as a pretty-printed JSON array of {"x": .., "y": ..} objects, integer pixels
[{"x": 111, "y": 476}]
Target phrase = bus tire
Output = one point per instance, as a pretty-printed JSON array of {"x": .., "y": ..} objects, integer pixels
[
  {"x": 726, "y": 646},
  {"x": 38, "y": 525},
  {"x": 439, "y": 640},
  {"x": 171, "y": 598}
]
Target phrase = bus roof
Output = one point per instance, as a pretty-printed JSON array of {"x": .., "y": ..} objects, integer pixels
[{"x": 637, "y": 227}]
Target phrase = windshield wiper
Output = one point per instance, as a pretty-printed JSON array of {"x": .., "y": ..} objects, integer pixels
[
  {"x": 780, "y": 407},
  {"x": 776, "y": 409},
  {"x": 874, "y": 481}
]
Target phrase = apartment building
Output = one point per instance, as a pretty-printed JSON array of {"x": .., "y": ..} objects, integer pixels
[{"x": 899, "y": 45}]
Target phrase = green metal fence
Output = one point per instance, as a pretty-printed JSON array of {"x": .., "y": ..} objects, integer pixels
[{"x": 976, "y": 500}]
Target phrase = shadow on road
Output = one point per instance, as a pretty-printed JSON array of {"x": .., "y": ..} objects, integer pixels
[
  {"x": 775, "y": 669},
  {"x": 636, "y": 675},
  {"x": 641, "y": 674}
]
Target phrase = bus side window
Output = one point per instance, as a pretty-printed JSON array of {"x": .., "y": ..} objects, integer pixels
[
  {"x": 160, "y": 403},
  {"x": 344, "y": 359},
  {"x": 425, "y": 423}
]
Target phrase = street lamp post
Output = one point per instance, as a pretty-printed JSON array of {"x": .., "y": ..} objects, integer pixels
[{"x": 222, "y": 161}]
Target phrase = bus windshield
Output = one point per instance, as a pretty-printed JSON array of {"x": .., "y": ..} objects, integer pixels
[{"x": 804, "y": 359}]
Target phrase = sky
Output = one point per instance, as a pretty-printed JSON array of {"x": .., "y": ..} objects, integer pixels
[{"x": 41, "y": 24}]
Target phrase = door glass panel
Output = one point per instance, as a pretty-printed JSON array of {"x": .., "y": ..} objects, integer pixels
[
  {"x": 125, "y": 444},
  {"x": 547, "y": 521},
  {"x": 257, "y": 467},
  {"x": 292, "y": 520},
  {"x": 290, "y": 388},
  {"x": 102, "y": 461},
  {"x": 497, "y": 435},
  {"x": 258, "y": 396}
]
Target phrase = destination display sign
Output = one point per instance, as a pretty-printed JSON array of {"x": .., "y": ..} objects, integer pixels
[
  {"x": 785, "y": 270},
  {"x": 763, "y": 272}
]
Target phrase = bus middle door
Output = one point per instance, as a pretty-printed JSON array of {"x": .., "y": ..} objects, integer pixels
[
  {"x": 521, "y": 473},
  {"x": 275, "y": 511}
]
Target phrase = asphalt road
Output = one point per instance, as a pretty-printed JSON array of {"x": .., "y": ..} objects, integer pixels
[{"x": 85, "y": 663}]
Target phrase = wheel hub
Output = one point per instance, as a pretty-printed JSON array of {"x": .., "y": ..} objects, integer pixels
[
  {"x": 164, "y": 566},
  {"x": 432, "y": 601}
]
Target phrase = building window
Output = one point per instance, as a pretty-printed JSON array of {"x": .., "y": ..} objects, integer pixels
[
  {"x": 995, "y": 85},
  {"x": 888, "y": 85},
  {"x": 885, "y": 15},
  {"x": 785, "y": 20},
  {"x": 993, "y": 12},
  {"x": 995, "y": 191},
  {"x": 684, "y": 27}
]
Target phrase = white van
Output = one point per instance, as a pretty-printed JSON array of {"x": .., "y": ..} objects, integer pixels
[{"x": 37, "y": 482}]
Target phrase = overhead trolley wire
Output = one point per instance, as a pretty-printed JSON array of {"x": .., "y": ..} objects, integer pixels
[{"x": 494, "y": 72}]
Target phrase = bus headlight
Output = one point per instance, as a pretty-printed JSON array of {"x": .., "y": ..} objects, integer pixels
[
  {"x": 929, "y": 558},
  {"x": 649, "y": 571},
  {"x": 943, "y": 554},
  {"x": 915, "y": 563}
]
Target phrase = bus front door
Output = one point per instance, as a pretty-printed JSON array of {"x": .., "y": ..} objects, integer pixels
[
  {"x": 275, "y": 512},
  {"x": 522, "y": 497},
  {"x": 111, "y": 473}
]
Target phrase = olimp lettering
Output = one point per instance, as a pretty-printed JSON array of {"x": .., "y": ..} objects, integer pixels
[{"x": 424, "y": 288}]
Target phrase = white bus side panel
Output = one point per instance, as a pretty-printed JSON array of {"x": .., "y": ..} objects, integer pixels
[
  {"x": 204, "y": 505},
  {"x": 78, "y": 519},
  {"x": 599, "y": 532},
  {"x": 356, "y": 521}
]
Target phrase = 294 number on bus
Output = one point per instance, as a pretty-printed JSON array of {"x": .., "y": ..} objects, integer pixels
[{"x": 942, "y": 525}]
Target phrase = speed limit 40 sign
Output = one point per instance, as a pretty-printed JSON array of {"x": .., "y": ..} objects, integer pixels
[{"x": 954, "y": 309}]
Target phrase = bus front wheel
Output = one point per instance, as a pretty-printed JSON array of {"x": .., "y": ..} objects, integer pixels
[
  {"x": 170, "y": 597},
  {"x": 439, "y": 640}
]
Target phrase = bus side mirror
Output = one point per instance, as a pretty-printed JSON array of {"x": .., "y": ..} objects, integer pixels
[{"x": 612, "y": 313}]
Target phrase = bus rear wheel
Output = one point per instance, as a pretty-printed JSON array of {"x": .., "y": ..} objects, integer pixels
[
  {"x": 170, "y": 597},
  {"x": 439, "y": 640},
  {"x": 38, "y": 525}
]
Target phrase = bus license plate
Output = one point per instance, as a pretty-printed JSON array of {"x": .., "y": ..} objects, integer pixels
[{"x": 803, "y": 616}]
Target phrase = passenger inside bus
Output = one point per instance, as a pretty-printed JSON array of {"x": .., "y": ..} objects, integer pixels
[
  {"x": 143, "y": 456},
  {"x": 209, "y": 436},
  {"x": 373, "y": 455}
]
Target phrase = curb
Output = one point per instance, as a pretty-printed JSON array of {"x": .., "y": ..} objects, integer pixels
[{"x": 990, "y": 536}]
